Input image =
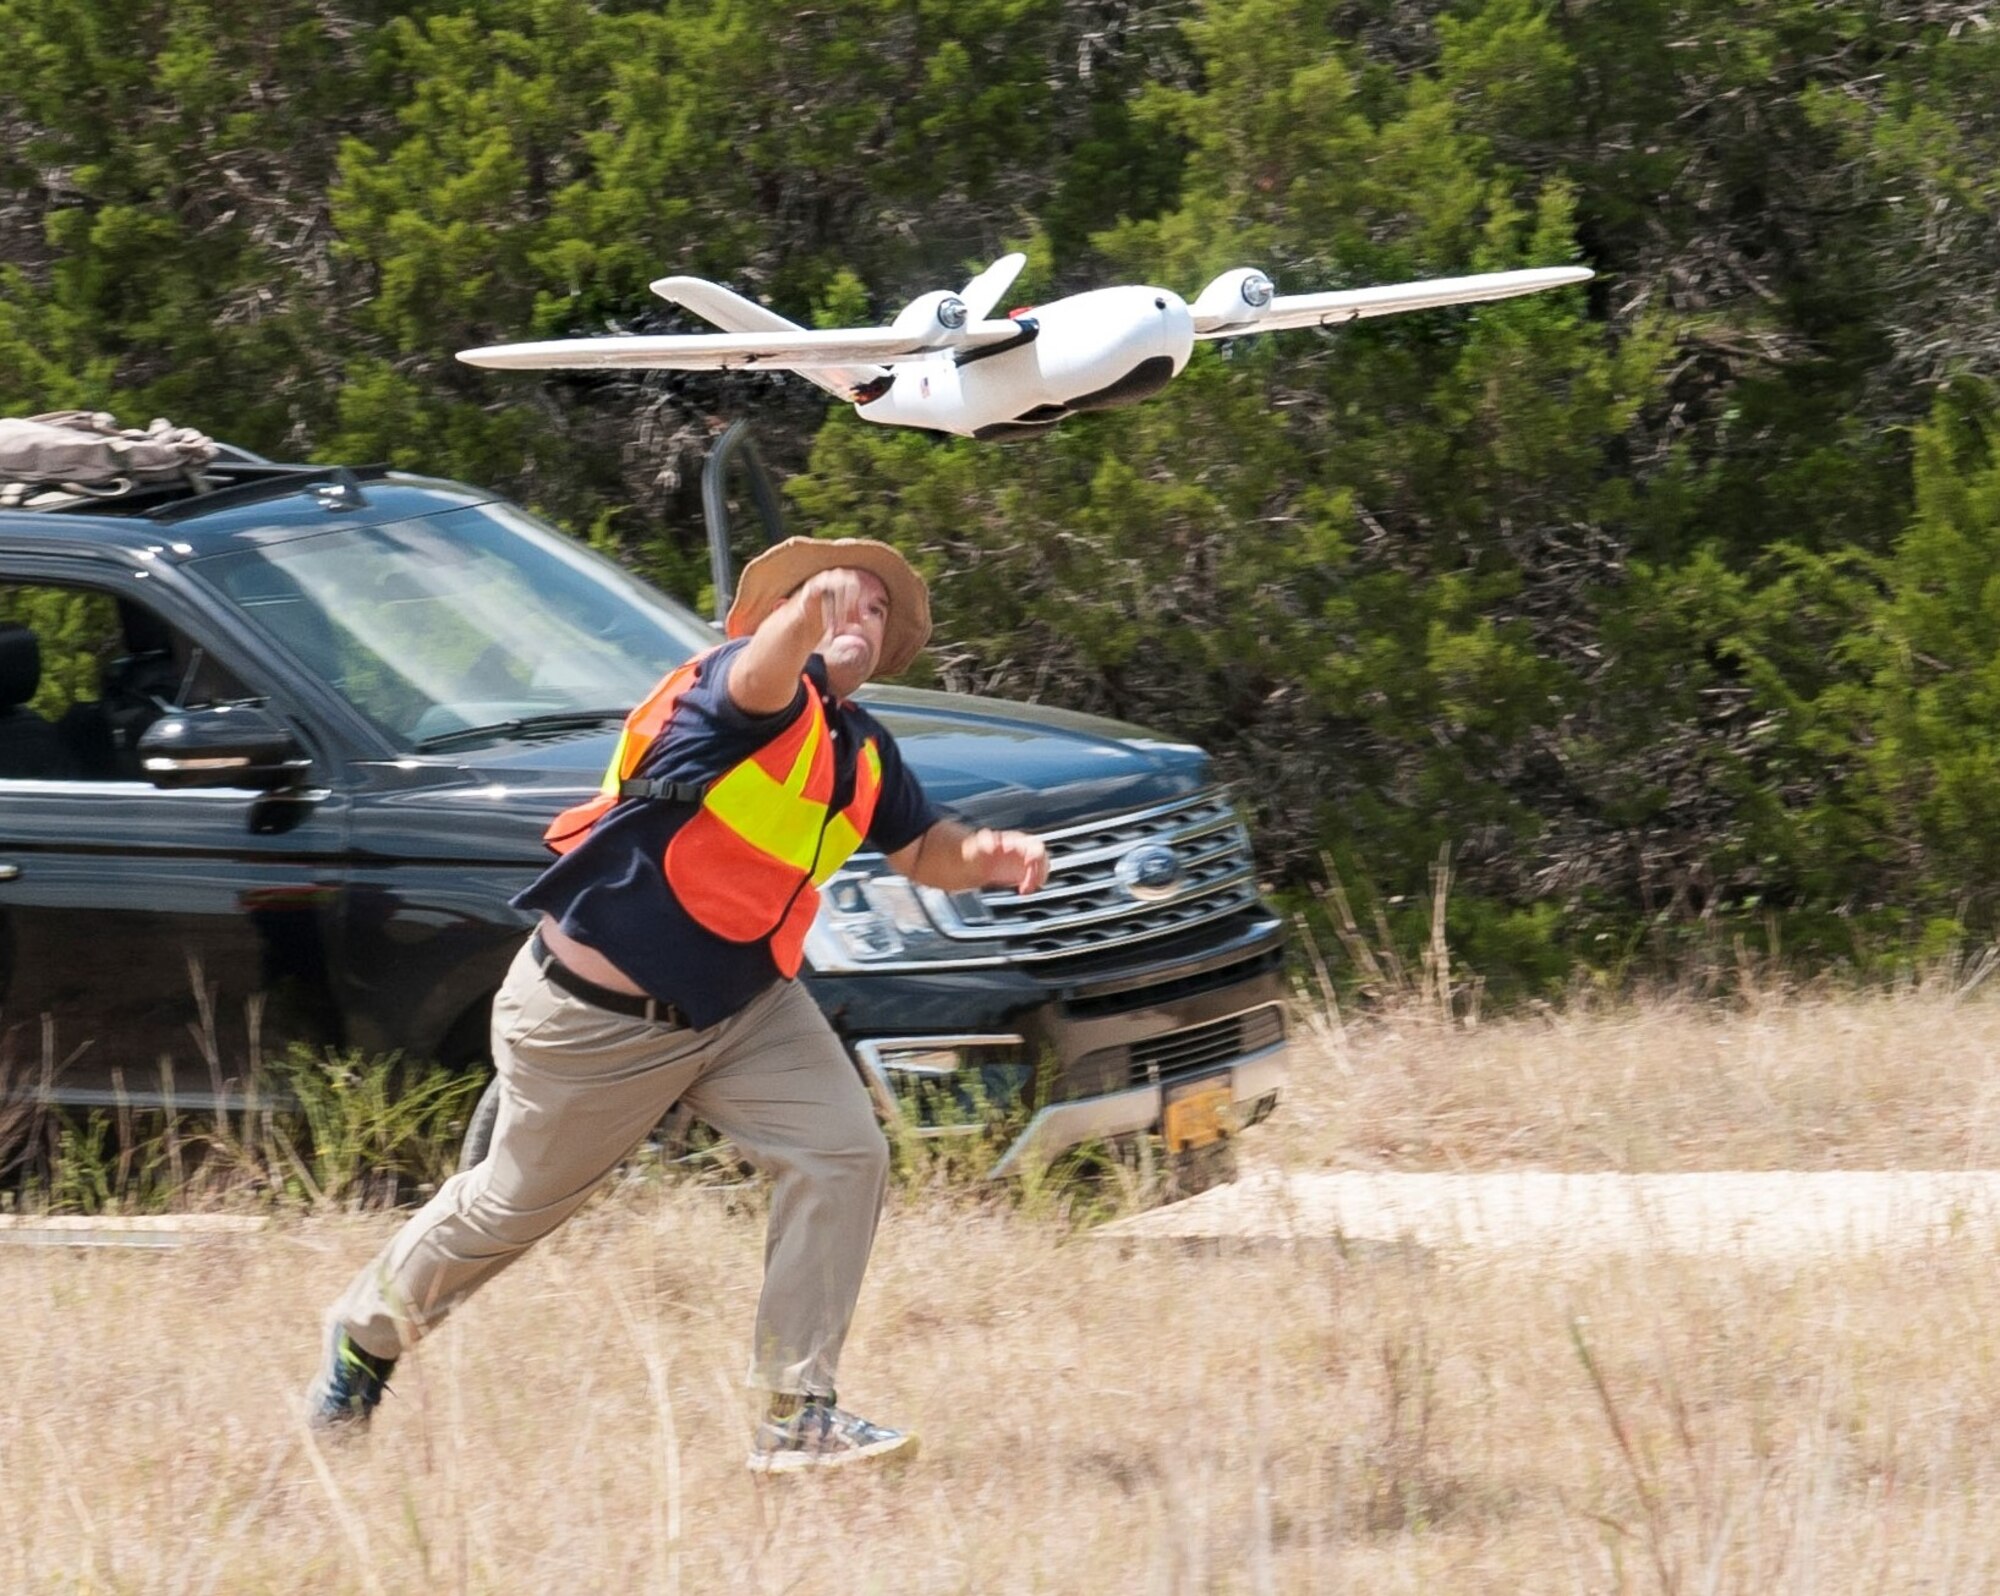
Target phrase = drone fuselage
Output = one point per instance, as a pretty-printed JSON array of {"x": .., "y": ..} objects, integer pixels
[{"x": 1094, "y": 351}]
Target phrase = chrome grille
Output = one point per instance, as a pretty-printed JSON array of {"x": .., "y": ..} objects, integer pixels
[
  {"x": 1188, "y": 1051},
  {"x": 1086, "y": 906},
  {"x": 1196, "y": 1048}
]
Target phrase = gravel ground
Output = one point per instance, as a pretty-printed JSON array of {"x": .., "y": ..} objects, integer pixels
[{"x": 1767, "y": 1215}]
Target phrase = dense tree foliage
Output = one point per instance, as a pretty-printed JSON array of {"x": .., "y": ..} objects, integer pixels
[{"x": 1665, "y": 608}]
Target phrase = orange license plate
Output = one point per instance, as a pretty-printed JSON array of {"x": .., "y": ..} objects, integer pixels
[{"x": 1195, "y": 1113}]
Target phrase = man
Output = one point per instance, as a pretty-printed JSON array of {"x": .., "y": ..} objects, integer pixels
[{"x": 671, "y": 930}]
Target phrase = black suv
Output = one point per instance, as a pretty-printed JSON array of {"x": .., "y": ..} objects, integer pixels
[{"x": 277, "y": 748}]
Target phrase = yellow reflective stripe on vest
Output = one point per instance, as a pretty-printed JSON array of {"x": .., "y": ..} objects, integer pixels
[
  {"x": 644, "y": 725},
  {"x": 624, "y": 760},
  {"x": 774, "y": 817},
  {"x": 841, "y": 837},
  {"x": 841, "y": 841}
]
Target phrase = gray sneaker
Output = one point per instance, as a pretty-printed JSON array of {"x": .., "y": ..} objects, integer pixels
[{"x": 811, "y": 1433}]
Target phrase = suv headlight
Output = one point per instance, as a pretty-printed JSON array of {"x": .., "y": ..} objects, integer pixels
[{"x": 870, "y": 916}]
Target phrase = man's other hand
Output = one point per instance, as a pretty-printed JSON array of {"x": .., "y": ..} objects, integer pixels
[
  {"x": 954, "y": 858},
  {"x": 1007, "y": 859}
]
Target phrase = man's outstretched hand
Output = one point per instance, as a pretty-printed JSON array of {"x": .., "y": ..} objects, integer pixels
[
  {"x": 1007, "y": 859},
  {"x": 835, "y": 598},
  {"x": 955, "y": 858}
]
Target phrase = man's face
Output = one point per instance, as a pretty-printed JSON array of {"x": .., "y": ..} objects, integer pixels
[{"x": 853, "y": 648}]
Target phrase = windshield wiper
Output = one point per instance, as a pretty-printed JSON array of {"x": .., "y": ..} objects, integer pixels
[{"x": 555, "y": 721}]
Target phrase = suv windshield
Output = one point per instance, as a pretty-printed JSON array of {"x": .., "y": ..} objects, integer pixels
[{"x": 474, "y": 620}]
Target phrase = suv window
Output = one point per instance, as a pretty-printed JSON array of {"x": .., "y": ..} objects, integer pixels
[
  {"x": 435, "y": 627},
  {"x": 83, "y": 674}
]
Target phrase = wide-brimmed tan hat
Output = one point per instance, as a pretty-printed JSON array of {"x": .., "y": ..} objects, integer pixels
[{"x": 770, "y": 578}]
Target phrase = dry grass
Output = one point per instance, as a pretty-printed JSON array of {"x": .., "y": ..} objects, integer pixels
[
  {"x": 1096, "y": 1418},
  {"x": 1884, "y": 1080}
]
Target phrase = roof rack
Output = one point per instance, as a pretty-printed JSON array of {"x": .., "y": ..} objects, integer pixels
[
  {"x": 249, "y": 482},
  {"x": 235, "y": 477}
]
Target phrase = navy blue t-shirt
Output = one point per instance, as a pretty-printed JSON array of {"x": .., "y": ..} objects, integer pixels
[{"x": 611, "y": 893}]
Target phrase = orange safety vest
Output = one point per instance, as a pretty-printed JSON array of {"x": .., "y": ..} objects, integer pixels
[{"x": 749, "y": 863}]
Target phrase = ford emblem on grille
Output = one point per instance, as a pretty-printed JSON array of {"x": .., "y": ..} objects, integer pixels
[{"x": 1150, "y": 873}]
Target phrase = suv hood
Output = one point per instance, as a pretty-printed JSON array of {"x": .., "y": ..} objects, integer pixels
[{"x": 988, "y": 761}]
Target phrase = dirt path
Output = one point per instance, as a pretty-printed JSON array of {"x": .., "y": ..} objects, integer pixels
[
  {"x": 1778, "y": 1215},
  {"x": 104, "y": 1230}
]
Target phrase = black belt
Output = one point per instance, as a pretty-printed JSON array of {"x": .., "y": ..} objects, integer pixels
[{"x": 603, "y": 997}]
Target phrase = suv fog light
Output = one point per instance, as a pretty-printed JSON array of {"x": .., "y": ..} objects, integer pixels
[
  {"x": 922, "y": 1061},
  {"x": 868, "y": 939},
  {"x": 865, "y": 920},
  {"x": 846, "y": 897},
  {"x": 949, "y": 1085}
]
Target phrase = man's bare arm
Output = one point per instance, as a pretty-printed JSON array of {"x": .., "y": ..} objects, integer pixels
[{"x": 953, "y": 857}]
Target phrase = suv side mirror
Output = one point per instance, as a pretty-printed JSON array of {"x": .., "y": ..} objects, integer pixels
[{"x": 230, "y": 745}]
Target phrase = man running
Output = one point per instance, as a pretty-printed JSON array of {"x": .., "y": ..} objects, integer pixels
[{"x": 663, "y": 970}]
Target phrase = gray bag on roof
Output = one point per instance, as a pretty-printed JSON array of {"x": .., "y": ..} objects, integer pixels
[{"x": 67, "y": 455}]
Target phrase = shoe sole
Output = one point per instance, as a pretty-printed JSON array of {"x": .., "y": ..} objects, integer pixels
[{"x": 901, "y": 1450}]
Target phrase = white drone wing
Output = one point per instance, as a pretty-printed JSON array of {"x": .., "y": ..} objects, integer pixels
[
  {"x": 731, "y": 312},
  {"x": 845, "y": 362},
  {"x": 1230, "y": 306},
  {"x": 801, "y": 350}
]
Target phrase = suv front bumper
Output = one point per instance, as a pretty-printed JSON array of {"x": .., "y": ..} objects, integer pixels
[
  {"x": 1092, "y": 1058},
  {"x": 1254, "y": 1083}
]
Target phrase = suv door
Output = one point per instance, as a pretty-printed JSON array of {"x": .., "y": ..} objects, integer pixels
[{"x": 145, "y": 930}]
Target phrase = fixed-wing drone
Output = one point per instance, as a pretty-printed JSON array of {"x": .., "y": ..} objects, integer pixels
[{"x": 946, "y": 364}]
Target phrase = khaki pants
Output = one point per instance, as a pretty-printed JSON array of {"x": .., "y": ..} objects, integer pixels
[{"x": 581, "y": 1087}]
